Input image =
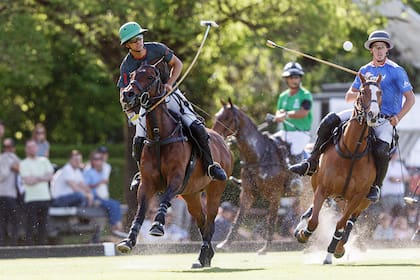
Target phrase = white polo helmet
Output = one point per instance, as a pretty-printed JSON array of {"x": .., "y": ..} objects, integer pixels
[{"x": 292, "y": 68}]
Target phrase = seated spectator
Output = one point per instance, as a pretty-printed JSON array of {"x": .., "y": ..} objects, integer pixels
[
  {"x": 68, "y": 187},
  {"x": 97, "y": 180},
  {"x": 173, "y": 233},
  {"x": 384, "y": 230},
  {"x": 223, "y": 221},
  {"x": 401, "y": 229},
  {"x": 9, "y": 194}
]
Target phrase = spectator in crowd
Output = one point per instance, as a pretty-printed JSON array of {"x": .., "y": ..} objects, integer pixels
[
  {"x": 9, "y": 193},
  {"x": 384, "y": 230},
  {"x": 39, "y": 135},
  {"x": 413, "y": 215},
  {"x": 180, "y": 215},
  {"x": 36, "y": 173},
  {"x": 173, "y": 232},
  {"x": 2, "y": 128},
  {"x": 97, "y": 180},
  {"x": 223, "y": 221},
  {"x": 68, "y": 187},
  {"x": 393, "y": 189},
  {"x": 401, "y": 229}
]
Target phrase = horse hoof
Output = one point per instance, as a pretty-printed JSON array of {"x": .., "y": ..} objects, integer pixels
[
  {"x": 327, "y": 261},
  {"x": 338, "y": 255},
  {"x": 156, "y": 230},
  {"x": 301, "y": 237},
  {"x": 196, "y": 265},
  {"x": 124, "y": 246}
]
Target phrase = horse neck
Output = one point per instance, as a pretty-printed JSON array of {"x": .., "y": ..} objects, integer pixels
[
  {"x": 355, "y": 135},
  {"x": 250, "y": 140},
  {"x": 160, "y": 118}
]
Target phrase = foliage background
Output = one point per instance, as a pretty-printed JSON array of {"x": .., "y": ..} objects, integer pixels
[{"x": 60, "y": 58}]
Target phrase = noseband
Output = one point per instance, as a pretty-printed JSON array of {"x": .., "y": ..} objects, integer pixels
[{"x": 145, "y": 100}]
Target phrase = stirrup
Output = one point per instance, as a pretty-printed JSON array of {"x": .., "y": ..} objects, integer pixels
[
  {"x": 135, "y": 182},
  {"x": 374, "y": 194},
  {"x": 216, "y": 169},
  {"x": 303, "y": 168}
]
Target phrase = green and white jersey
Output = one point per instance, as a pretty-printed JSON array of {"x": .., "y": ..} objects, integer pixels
[{"x": 303, "y": 98}]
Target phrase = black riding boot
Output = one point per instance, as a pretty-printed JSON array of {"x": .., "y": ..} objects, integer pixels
[
  {"x": 325, "y": 130},
  {"x": 138, "y": 144},
  {"x": 381, "y": 156},
  {"x": 214, "y": 170}
]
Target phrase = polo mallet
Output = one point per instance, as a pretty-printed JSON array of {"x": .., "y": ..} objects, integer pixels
[
  {"x": 209, "y": 24},
  {"x": 273, "y": 45},
  {"x": 410, "y": 199}
]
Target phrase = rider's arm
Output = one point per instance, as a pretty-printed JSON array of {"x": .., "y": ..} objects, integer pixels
[
  {"x": 351, "y": 94},
  {"x": 176, "y": 68},
  {"x": 410, "y": 99}
]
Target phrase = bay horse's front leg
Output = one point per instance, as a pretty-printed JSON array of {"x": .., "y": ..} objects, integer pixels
[
  {"x": 126, "y": 245},
  {"x": 167, "y": 196},
  {"x": 303, "y": 235}
]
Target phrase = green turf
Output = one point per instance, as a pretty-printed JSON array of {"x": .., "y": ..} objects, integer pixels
[{"x": 382, "y": 264}]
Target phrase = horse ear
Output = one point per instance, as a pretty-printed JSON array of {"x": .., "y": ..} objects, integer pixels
[
  {"x": 378, "y": 80},
  {"x": 223, "y": 102},
  {"x": 230, "y": 102}
]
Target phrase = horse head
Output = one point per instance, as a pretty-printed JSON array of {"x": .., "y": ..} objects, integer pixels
[
  {"x": 369, "y": 100},
  {"x": 145, "y": 88},
  {"x": 227, "y": 121}
]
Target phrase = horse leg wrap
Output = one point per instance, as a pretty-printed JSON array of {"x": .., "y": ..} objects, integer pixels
[
  {"x": 134, "y": 232},
  {"x": 206, "y": 254},
  {"x": 307, "y": 233},
  {"x": 338, "y": 234}
]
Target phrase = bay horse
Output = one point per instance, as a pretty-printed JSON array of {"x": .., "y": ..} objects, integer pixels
[
  {"x": 346, "y": 170},
  {"x": 264, "y": 169},
  {"x": 166, "y": 157}
]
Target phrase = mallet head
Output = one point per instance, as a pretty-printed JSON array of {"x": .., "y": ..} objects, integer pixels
[
  {"x": 410, "y": 200},
  {"x": 270, "y": 44},
  {"x": 209, "y": 23}
]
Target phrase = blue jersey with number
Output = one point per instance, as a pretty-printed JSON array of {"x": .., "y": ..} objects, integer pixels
[
  {"x": 393, "y": 84},
  {"x": 154, "y": 52}
]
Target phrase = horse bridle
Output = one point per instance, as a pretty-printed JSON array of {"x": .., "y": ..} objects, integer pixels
[
  {"x": 145, "y": 100},
  {"x": 362, "y": 108}
]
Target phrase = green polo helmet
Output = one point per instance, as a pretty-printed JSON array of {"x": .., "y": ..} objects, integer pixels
[{"x": 130, "y": 30}]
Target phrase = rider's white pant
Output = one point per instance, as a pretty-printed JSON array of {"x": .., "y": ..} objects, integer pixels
[
  {"x": 383, "y": 129},
  {"x": 174, "y": 102},
  {"x": 297, "y": 140}
]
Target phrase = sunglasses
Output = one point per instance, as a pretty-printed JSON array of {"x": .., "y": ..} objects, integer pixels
[
  {"x": 135, "y": 39},
  {"x": 40, "y": 132}
]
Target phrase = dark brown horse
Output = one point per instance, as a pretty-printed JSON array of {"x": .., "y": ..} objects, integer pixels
[
  {"x": 263, "y": 168},
  {"x": 164, "y": 162},
  {"x": 346, "y": 171}
]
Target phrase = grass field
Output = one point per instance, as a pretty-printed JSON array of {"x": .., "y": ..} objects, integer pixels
[{"x": 380, "y": 264}]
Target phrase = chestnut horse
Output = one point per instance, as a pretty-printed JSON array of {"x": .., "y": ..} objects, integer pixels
[
  {"x": 346, "y": 170},
  {"x": 264, "y": 169},
  {"x": 165, "y": 159}
]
